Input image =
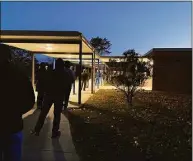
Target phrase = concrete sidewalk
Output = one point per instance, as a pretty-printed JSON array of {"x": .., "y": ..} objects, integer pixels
[
  {"x": 73, "y": 101},
  {"x": 43, "y": 148}
]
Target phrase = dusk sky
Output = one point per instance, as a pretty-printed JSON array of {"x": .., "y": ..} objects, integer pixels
[{"x": 137, "y": 25}]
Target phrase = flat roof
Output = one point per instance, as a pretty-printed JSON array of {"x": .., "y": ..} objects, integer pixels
[
  {"x": 117, "y": 58},
  {"x": 150, "y": 52},
  {"x": 57, "y": 44},
  {"x": 40, "y": 33}
]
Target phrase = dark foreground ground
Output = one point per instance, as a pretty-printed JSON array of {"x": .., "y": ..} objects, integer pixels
[{"x": 156, "y": 128}]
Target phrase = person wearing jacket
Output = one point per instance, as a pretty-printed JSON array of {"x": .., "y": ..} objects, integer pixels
[
  {"x": 85, "y": 78},
  {"x": 17, "y": 98},
  {"x": 97, "y": 78},
  {"x": 54, "y": 94},
  {"x": 70, "y": 79},
  {"x": 40, "y": 85},
  {"x": 74, "y": 76}
]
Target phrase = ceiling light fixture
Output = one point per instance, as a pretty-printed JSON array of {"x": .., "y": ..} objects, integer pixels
[{"x": 48, "y": 47}]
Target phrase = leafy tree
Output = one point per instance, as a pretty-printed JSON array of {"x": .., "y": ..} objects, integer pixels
[
  {"x": 133, "y": 74},
  {"x": 102, "y": 45},
  {"x": 23, "y": 59}
]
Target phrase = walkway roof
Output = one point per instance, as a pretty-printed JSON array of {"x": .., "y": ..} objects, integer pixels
[
  {"x": 57, "y": 44},
  {"x": 106, "y": 59}
]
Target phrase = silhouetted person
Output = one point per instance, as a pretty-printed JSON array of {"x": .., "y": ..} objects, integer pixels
[
  {"x": 84, "y": 79},
  {"x": 97, "y": 78},
  {"x": 73, "y": 85},
  {"x": 105, "y": 76},
  {"x": 101, "y": 78},
  {"x": 54, "y": 93},
  {"x": 40, "y": 85},
  {"x": 48, "y": 75},
  {"x": 70, "y": 79},
  {"x": 17, "y": 98},
  {"x": 88, "y": 79},
  {"x": 46, "y": 66}
]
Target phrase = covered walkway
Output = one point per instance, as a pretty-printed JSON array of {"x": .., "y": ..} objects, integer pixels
[{"x": 56, "y": 44}]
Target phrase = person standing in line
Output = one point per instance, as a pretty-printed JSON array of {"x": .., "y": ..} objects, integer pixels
[
  {"x": 97, "y": 78},
  {"x": 40, "y": 85},
  {"x": 105, "y": 76},
  {"x": 17, "y": 98},
  {"x": 88, "y": 80},
  {"x": 70, "y": 79},
  {"x": 84, "y": 79},
  {"x": 74, "y": 75},
  {"x": 54, "y": 94},
  {"x": 101, "y": 78}
]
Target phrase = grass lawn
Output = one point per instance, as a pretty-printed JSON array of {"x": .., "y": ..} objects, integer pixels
[{"x": 156, "y": 128}]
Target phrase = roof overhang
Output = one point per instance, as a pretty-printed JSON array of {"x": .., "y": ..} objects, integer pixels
[
  {"x": 106, "y": 59},
  {"x": 86, "y": 61},
  {"x": 57, "y": 44},
  {"x": 151, "y": 53}
]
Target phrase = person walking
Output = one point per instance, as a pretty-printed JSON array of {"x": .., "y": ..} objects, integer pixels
[
  {"x": 105, "y": 77},
  {"x": 17, "y": 98},
  {"x": 74, "y": 75},
  {"x": 40, "y": 85},
  {"x": 54, "y": 94},
  {"x": 88, "y": 80},
  {"x": 84, "y": 79},
  {"x": 101, "y": 78},
  {"x": 70, "y": 79},
  {"x": 97, "y": 78}
]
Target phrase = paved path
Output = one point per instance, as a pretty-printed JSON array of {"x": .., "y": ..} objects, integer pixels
[
  {"x": 73, "y": 101},
  {"x": 108, "y": 87},
  {"x": 43, "y": 148}
]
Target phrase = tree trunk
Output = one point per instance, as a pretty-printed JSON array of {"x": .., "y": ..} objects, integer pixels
[
  {"x": 129, "y": 97},
  {"x": 131, "y": 100}
]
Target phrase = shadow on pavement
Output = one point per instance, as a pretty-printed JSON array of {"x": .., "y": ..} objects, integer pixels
[
  {"x": 42, "y": 147},
  {"x": 58, "y": 154},
  {"x": 74, "y": 103}
]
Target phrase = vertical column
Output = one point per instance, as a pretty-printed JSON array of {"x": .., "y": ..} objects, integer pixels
[
  {"x": 80, "y": 71},
  {"x": 99, "y": 79},
  {"x": 105, "y": 68},
  {"x": 92, "y": 74},
  {"x": 98, "y": 65},
  {"x": 33, "y": 70},
  {"x": 54, "y": 63},
  {"x": 105, "y": 72},
  {"x": 74, "y": 84}
]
